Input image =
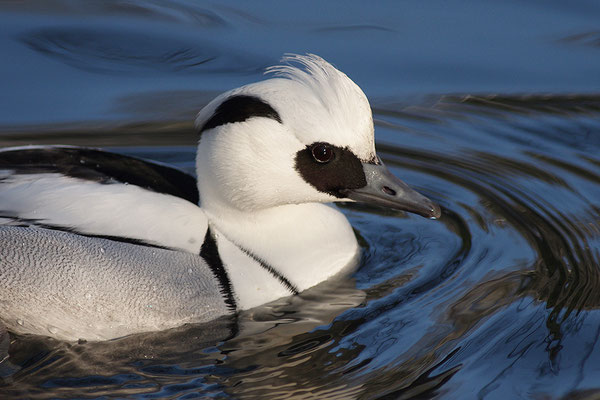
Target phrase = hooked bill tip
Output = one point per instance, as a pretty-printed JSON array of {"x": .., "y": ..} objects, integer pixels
[
  {"x": 428, "y": 209},
  {"x": 435, "y": 212}
]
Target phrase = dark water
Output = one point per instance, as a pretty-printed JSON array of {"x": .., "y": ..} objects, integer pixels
[{"x": 490, "y": 108}]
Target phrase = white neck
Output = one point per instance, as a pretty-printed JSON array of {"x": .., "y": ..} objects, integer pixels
[{"x": 305, "y": 243}]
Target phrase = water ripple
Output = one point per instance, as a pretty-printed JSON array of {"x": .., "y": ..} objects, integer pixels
[{"x": 127, "y": 51}]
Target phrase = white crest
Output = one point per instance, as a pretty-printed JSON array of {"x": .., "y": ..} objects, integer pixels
[
  {"x": 341, "y": 111},
  {"x": 330, "y": 85}
]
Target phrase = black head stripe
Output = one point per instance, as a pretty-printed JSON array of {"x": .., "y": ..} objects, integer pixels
[
  {"x": 344, "y": 171},
  {"x": 238, "y": 109}
]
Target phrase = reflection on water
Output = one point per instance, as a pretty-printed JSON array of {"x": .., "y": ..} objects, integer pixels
[{"x": 497, "y": 299}]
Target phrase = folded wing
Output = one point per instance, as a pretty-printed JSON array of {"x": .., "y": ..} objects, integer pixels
[{"x": 97, "y": 193}]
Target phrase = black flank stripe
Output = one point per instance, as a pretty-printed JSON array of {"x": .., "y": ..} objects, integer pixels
[
  {"x": 102, "y": 167},
  {"x": 121, "y": 239},
  {"x": 238, "y": 109},
  {"x": 210, "y": 253},
  {"x": 28, "y": 223},
  {"x": 284, "y": 281}
]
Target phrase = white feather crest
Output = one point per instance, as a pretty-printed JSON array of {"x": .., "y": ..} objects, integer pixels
[{"x": 331, "y": 86}]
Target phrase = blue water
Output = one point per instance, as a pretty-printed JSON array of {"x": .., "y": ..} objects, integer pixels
[{"x": 490, "y": 108}]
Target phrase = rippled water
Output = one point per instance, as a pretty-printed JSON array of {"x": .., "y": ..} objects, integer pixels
[{"x": 493, "y": 110}]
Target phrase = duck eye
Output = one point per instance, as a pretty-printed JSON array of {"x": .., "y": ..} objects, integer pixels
[{"x": 322, "y": 153}]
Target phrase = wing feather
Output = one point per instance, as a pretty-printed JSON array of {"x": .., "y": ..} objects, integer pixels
[{"x": 97, "y": 193}]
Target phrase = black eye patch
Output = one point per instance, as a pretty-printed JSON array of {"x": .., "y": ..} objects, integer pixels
[
  {"x": 343, "y": 170},
  {"x": 238, "y": 109}
]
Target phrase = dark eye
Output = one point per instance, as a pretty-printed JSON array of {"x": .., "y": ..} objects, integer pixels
[{"x": 322, "y": 153}]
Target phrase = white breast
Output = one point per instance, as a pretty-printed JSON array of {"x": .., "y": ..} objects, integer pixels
[{"x": 305, "y": 243}]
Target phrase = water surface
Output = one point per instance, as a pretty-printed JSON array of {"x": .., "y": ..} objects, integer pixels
[{"x": 493, "y": 110}]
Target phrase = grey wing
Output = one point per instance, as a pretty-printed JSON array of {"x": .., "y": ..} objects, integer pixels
[{"x": 70, "y": 286}]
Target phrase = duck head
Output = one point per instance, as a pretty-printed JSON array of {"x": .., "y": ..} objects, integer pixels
[{"x": 305, "y": 135}]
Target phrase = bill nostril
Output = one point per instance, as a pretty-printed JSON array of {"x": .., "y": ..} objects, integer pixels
[{"x": 388, "y": 190}]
